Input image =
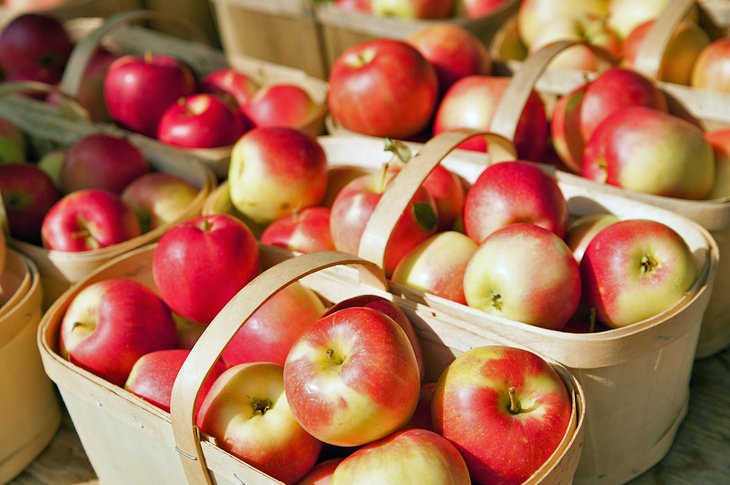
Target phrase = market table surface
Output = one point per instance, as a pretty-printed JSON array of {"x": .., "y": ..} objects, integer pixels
[{"x": 700, "y": 454}]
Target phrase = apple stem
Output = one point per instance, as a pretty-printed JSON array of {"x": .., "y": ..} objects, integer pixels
[
  {"x": 383, "y": 176},
  {"x": 184, "y": 105},
  {"x": 260, "y": 406},
  {"x": 514, "y": 406},
  {"x": 205, "y": 224},
  {"x": 331, "y": 355},
  {"x": 648, "y": 264}
]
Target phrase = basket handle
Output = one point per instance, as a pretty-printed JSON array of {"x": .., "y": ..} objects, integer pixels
[
  {"x": 649, "y": 56},
  {"x": 510, "y": 108},
  {"x": 222, "y": 329},
  {"x": 394, "y": 201},
  {"x": 85, "y": 48},
  {"x": 68, "y": 106}
]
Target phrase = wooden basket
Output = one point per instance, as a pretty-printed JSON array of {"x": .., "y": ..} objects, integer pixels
[
  {"x": 156, "y": 443},
  {"x": 29, "y": 411},
  {"x": 70, "y": 9},
  {"x": 45, "y": 130}
]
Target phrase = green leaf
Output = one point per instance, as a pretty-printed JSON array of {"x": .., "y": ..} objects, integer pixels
[
  {"x": 425, "y": 215},
  {"x": 399, "y": 149}
]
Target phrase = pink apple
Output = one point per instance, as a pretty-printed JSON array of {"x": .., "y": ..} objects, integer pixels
[
  {"x": 635, "y": 269},
  {"x": 454, "y": 52},
  {"x": 272, "y": 329},
  {"x": 720, "y": 142},
  {"x": 227, "y": 81},
  {"x": 200, "y": 121},
  {"x": 281, "y": 105},
  {"x": 306, "y": 231},
  {"x": 525, "y": 273},
  {"x": 471, "y": 103},
  {"x": 138, "y": 90},
  {"x": 153, "y": 375},
  {"x": 536, "y": 15},
  {"x": 582, "y": 231},
  {"x": 479, "y": 8},
  {"x": 512, "y": 192},
  {"x": 12, "y": 143},
  {"x": 321, "y": 473},
  {"x": 355, "y": 5},
  {"x": 275, "y": 172},
  {"x": 352, "y": 377},
  {"x": 247, "y": 412},
  {"x": 710, "y": 69},
  {"x": 101, "y": 161},
  {"x": 28, "y": 193},
  {"x": 437, "y": 265},
  {"x": 159, "y": 198},
  {"x": 88, "y": 219},
  {"x": 110, "y": 324},
  {"x": 568, "y": 141},
  {"x": 649, "y": 151},
  {"x": 505, "y": 409},
  {"x": 383, "y": 88},
  {"x": 413, "y": 9}
]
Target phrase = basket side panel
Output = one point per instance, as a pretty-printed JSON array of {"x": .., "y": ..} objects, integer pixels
[{"x": 715, "y": 333}]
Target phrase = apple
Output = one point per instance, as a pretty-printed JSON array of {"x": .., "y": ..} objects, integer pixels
[
  {"x": 645, "y": 150},
  {"x": 281, "y": 105},
  {"x": 200, "y": 121},
  {"x": 352, "y": 377},
  {"x": 88, "y": 219},
  {"x": 536, "y": 15},
  {"x": 12, "y": 143},
  {"x": 390, "y": 309},
  {"x": 437, "y": 265},
  {"x": 201, "y": 264},
  {"x": 505, "y": 409},
  {"x": 34, "y": 47},
  {"x": 568, "y": 141},
  {"x": 354, "y": 5},
  {"x": 306, "y": 231},
  {"x": 413, "y": 9},
  {"x": 625, "y": 15},
  {"x": 471, "y": 103},
  {"x": 525, "y": 273},
  {"x": 355, "y": 204},
  {"x": 248, "y": 413},
  {"x": 710, "y": 69},
  {"x": 28, "y": 193},
  {"x": 158, "y": 198},
  {"x": 720, "y": 142},
  {"x": 153, "y": 375},
  {"x": 275, "y": 172},
  {"x": 512, "y": 192},
  {"x": 101, "y": 161},
  {"x": 635, "y": 269},
  {"x": 137, "y": 90},
  {"x": 454, "y": 52},
  {"x": 383, "y": 88},
  {"x": 479, "y": 8},
  {"x": 110, "y": 324},
  {"x": 227, "y": 81},
  {"x": 187, "y": 332},
  {"x": 51, "y": 163},
  {"x": 680, "y": 55},
  {"x": 421, "y": 418},
  {"x": 272, "y": 329},
  {"x": 321, "y": 473},
  {"x": 337, "y": 178},
  {"x": 410, "y": 456},
  {"x": 582, "y": 231}
]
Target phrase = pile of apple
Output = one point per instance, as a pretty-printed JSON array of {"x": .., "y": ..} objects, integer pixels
[
  {"x": 423, "y": 9},
  {"x": 299, "y": 383},
  {"x": 97, "y": 192}
]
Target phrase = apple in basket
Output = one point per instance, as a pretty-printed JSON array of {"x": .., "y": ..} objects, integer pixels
[
  {"x": 352, "y": 377},
  {"x": 101, "y": 161},
  {"x": 51, "y": 163},
  {"x": 28, "y": 194},
  {"x": 505, "y": 409},
  {"x": 88, "y": 219},
  {"x": 479, "y": 8},
  {"x": 201, "y": 264},
  {"x": 138, "y": 90},
  {"x": 535, "y": 15},
  {"x": 409, "y": 456},
  {"x": 582, "y": 231},
  {"x": 275, "y": 172},
  {"x": 321, "y": 473},
  {"x": 248, "y": 414},
  {"x": 12, "y": 143},
  {"x": 625, "y": 15},
  {"x": 413, "y": 9},
  {"x": 361, "y": 5},
  {"x": 227, "y": 81},
  {"x": 421, "y": 418},
  {"x": 710, "y": 69},
  {"x": 158, "y": 198},
  {"x": 720, "y": 142},
  {"x": 281, "y": 105},
  {"x": 635, "y": 269},
  {"x": 112, "y": 323},
  {"x": 305, "y": 231}
]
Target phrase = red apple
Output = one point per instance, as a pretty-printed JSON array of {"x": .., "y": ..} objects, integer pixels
[
  {"x": 321, "y": 473},
  {"x": 138, "y": 90},
  {"x": 247, "y": 412},
  {"x": 710, "y": 69},
  {"x": 200, "y": 121},
  {"x": 110, "y": 324},
  {"x": 28, "y": 194},
  {"x": 355, "y": 5},
  {"x": 512, "y": 192},
  {"x": 187, "y": 332},
  {"x": 410, "y": 456},
  {"x": 88, "y": 219},
  {"x": 352, "y": 377},
  {"x": 720, "y": 142},
  {"x": 582, "y": 231},
  {"x": 525, "y": 273},
  {"x": 413, "y": 9},
  {"x": 635, "y": 269},
  {"x": 505, "y": 409},
  {"x": 227, "y": 81},
  {"x": 383, "y": 88},
  {"x": 158, "y": 198},
  {"x": 201, "y": 264},
  {"x": 281, "y": 105},
  {"x": 479, "y": 8},
  {"x": 568, "y": 141},
  {"x": 306, "y": 231},
  {"x": 101, "y": 161},
  {"x": 471, "y": 103},
  {"x": 12, "y": 143},
  {"x": 272, "y": 329}
]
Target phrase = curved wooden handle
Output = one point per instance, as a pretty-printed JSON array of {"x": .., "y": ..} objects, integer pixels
[
  {"x": 394, "y": 201},
  {"x": 649, "y": 57},
  {"x": 68, "y": 106},
  {"x": 85, "y": 48},
  {"x": 222, "y": 329},
  {"x": 508, "y": 112}
]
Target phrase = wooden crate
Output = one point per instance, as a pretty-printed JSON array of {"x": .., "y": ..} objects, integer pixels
[{"x": 147, "y": 436}]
